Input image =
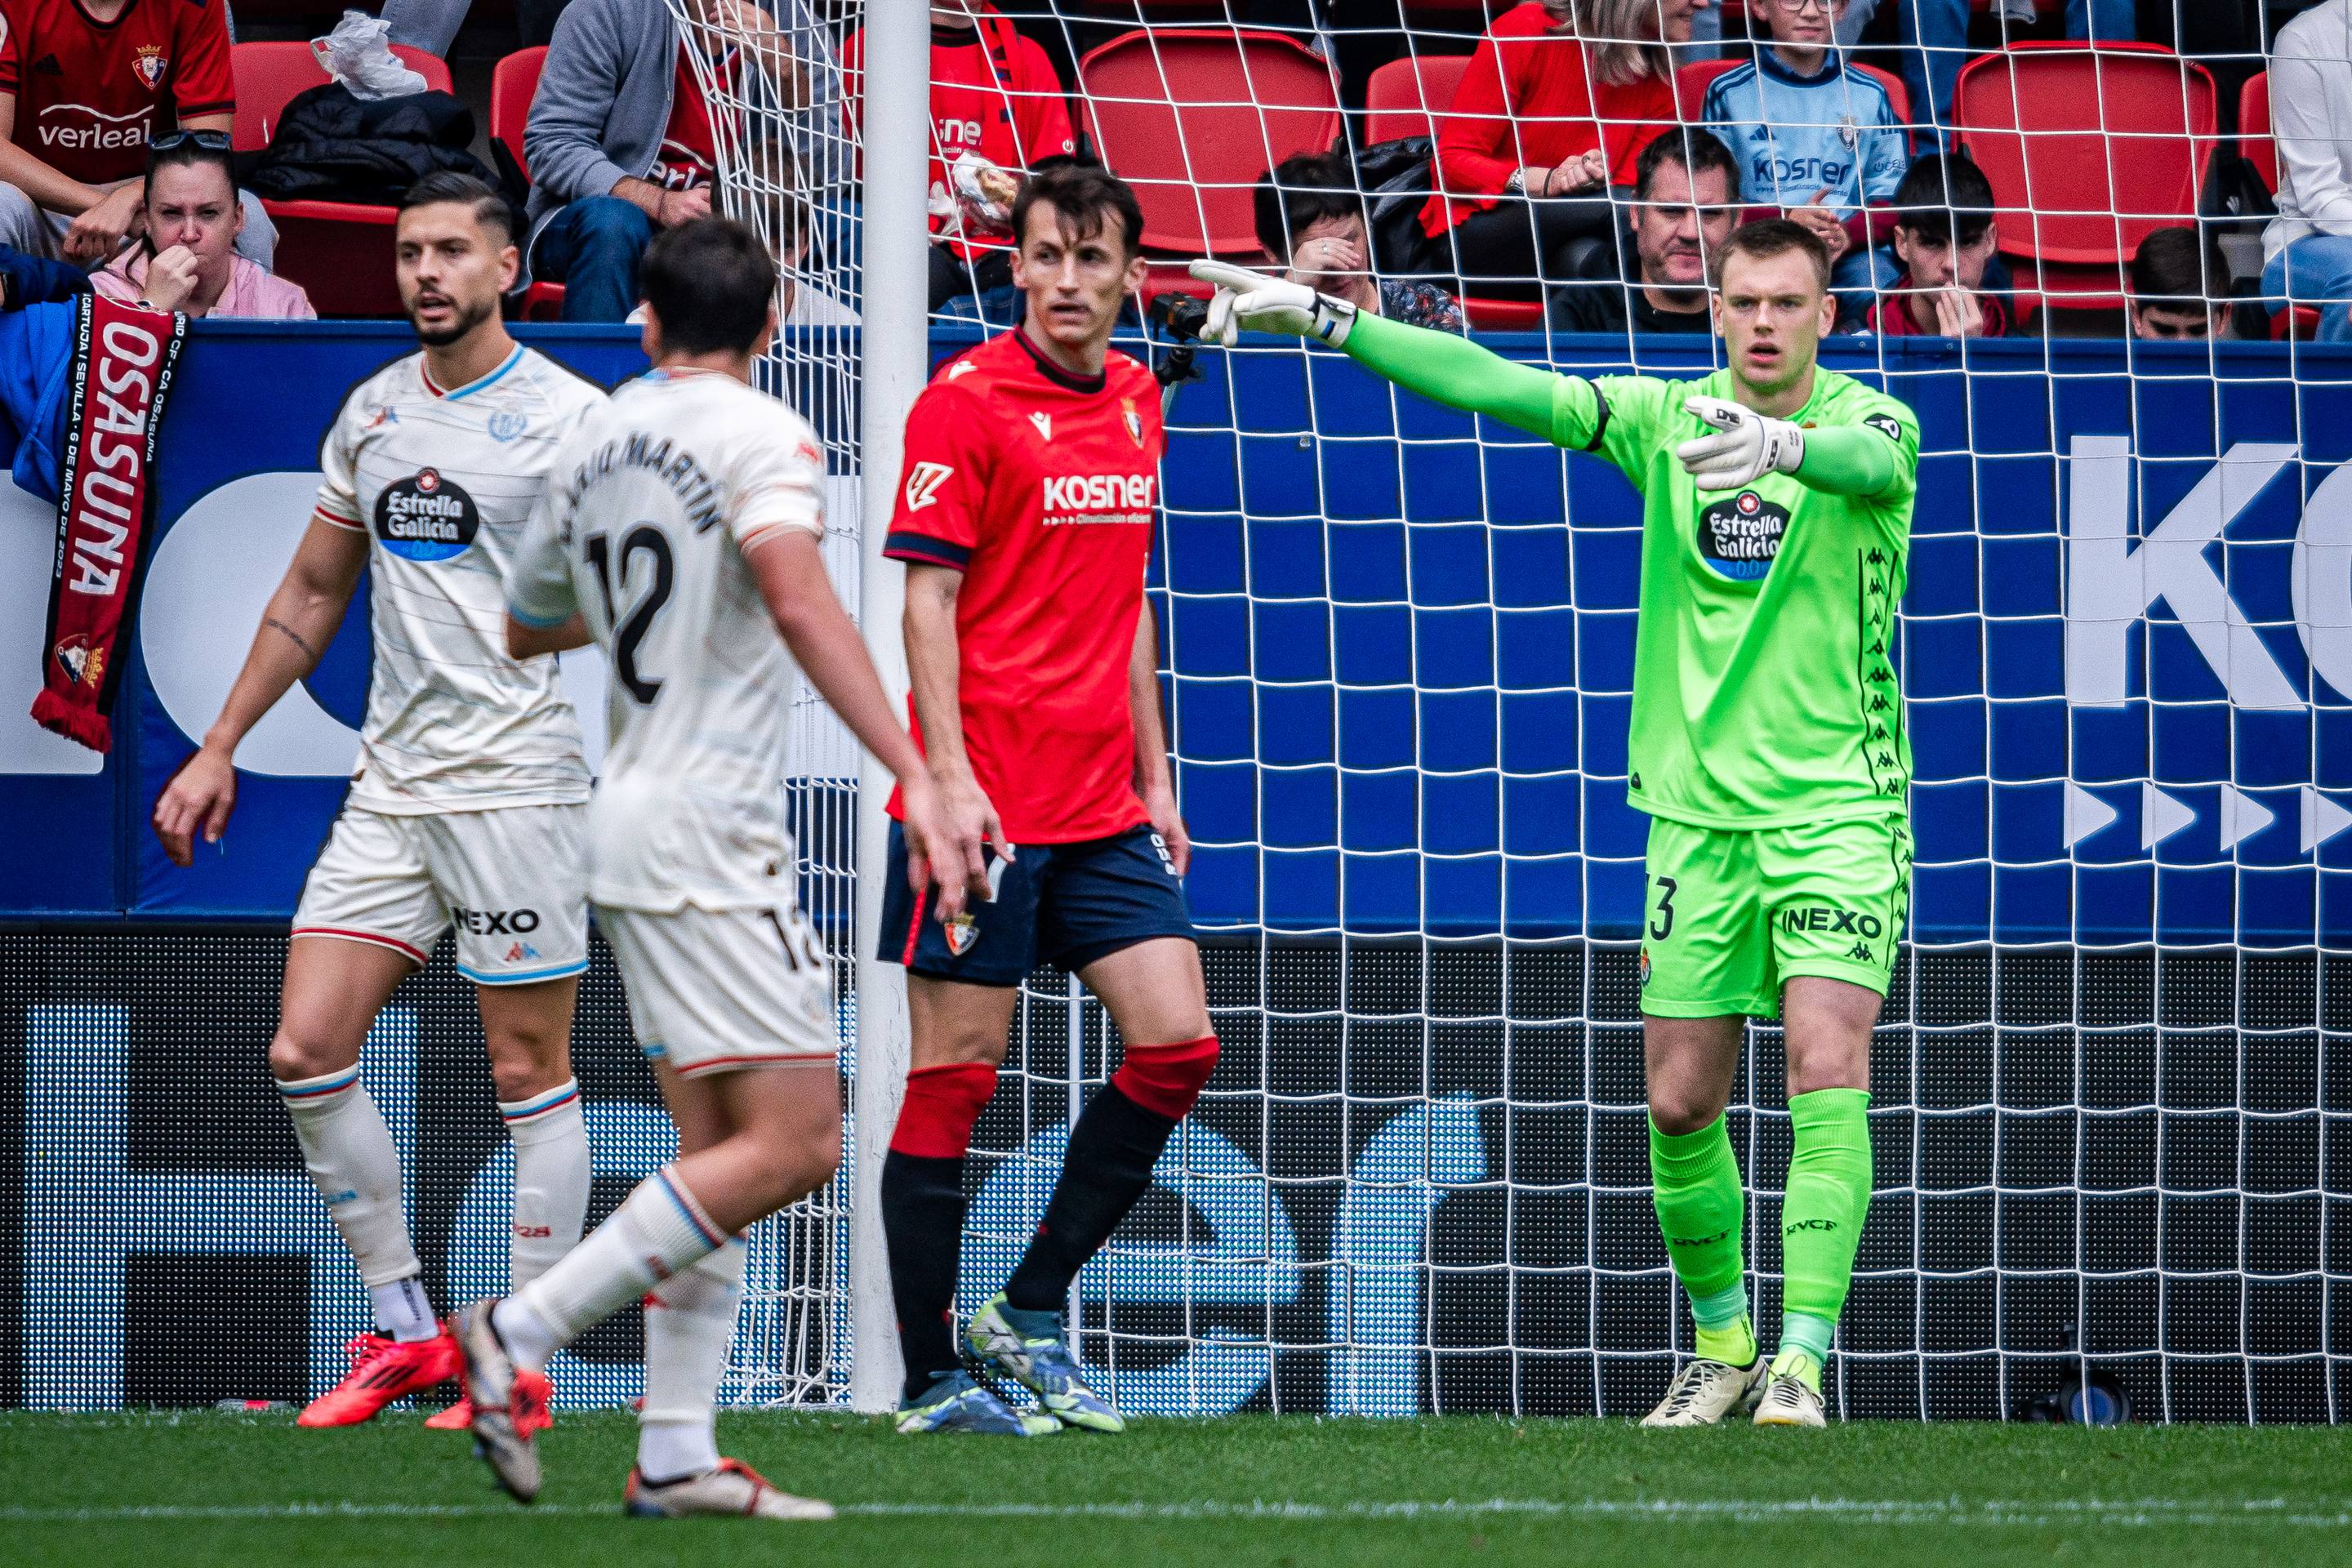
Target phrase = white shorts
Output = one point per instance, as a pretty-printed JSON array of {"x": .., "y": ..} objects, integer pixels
[
  {"x": 713, "y": 990},
  {"x": 512, "y": 881}
]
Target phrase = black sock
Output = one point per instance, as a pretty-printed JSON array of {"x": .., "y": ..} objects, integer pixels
[
  {"x": 922, "y": 1220},
  {"x": 1109, "y": 1166}
]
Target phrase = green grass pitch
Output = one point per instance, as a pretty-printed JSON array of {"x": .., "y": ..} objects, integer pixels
[{"x": 166, "y": 1490}]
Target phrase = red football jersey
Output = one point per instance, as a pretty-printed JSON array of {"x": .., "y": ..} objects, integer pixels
[
  {"x": 1041, "y": 487},
  {"x": 993, "y": 93},
  {"x": 689, "y": 155},
  {"x": 89, "y": 97}
]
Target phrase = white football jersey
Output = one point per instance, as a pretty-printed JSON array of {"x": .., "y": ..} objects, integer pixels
[
  {"x": 442, "y": 483},
  {"x": 651, "y": 508}
]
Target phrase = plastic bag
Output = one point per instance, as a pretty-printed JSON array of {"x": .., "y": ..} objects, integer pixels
[{"x": 356, "y": 54}]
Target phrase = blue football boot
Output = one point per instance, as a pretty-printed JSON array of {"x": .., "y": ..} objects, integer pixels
[
  {"x": 1028, "y": 1347},
  {"x": 957, "y": 1403}
]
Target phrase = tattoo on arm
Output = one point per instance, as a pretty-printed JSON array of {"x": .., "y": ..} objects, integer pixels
[{"x": 297, "y": 637}]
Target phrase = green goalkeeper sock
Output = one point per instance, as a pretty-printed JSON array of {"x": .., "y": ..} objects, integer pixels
[
  {"x": 1695, "y": 1183},
  {"x": 1822, "y": 1219}
]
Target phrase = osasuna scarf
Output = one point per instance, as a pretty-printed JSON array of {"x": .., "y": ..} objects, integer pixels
[{"x": 123, "y": 358}]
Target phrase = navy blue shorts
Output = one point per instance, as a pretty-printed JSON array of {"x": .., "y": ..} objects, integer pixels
[{"x": 1068, "y": 904}]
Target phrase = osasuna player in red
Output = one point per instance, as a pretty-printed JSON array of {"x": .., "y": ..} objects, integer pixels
[{"x": 1032, "y": 478}]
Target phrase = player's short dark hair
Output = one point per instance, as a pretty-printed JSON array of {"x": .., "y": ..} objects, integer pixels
[
  {"x": 711, "y": 284},
  {"x": 1770, "y": 237},
  {"x": 2179, "y": 267},
  {"x": 1300, "y": 193},
  {"x": 448, "y": 186},
  {"x": 187, "y": 153},
  {"x": 1698, "y": 152},
  {"x": 1086, "y": 196},
  {"x": 1945, "y": 197}
]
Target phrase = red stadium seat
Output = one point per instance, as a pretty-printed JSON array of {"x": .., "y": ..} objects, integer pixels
[
  {"x": 340, "y": 252},
  {"x": 1192, "y": 116},
  {"x": 1504, "y": 315},
  {"x": 1408, "y": 97},
  {"x": 2087, "y": 149},
  {"x": 270, "y": 75},
  {"x": 513, "y": 84},
  {"x": 2254, "y": 146}
]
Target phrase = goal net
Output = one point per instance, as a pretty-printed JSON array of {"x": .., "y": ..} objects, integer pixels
[{"x": 2106, "y": 1112}]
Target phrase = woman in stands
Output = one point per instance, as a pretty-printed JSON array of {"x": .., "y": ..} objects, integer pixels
[
  {"x": 1554, "y": 109},
  {"x": 186, "y": 260}
]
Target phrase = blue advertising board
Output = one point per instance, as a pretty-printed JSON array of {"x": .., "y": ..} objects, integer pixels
[{"x": 1401, "y": 643}]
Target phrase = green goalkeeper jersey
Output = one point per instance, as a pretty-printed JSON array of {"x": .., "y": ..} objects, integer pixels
[{"x": 1764, "y": 694}]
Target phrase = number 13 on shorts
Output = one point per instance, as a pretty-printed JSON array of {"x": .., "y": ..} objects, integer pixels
[{"x": 1729, "y": 916}]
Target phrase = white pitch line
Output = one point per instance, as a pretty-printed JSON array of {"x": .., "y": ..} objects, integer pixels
[{"x": 2148, "y": 1513}]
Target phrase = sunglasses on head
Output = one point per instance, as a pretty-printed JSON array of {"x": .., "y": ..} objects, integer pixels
[{"x": 210, "y": 141}]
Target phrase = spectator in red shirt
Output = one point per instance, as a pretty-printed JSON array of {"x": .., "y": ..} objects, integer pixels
[
  {"x": 1945, "y": 237},
  {"x": 1553, "y": 109},
  {"x": 620, "y": 141},
  {"x": 83, "y": 85},
  {"x": 997, "y": 111}
]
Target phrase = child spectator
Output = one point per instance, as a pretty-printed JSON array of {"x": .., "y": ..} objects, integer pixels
[
  {"x": 1944, "y": 235},
  {"x": 1552, "y": 110},
  {"x": 1310, "y": 218},
  {"x": 187, "y": 259},
  {"x": 1817, "y": 139},
  {"x": 1685, "y": 207},
  {"x": 2179, "y": 287},
  {"x": 996, "y": 108}
]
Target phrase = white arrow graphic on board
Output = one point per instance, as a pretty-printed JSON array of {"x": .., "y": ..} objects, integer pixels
[
  {"x": 2322, "y": 819},
  {"x": 2085, "y": 814},
  {"x": 2242, "y": 816},
  {"x": 2161, "y": 815}
]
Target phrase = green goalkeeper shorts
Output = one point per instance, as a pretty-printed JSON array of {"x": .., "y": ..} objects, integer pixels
[{"x": 1732, "y": 915}]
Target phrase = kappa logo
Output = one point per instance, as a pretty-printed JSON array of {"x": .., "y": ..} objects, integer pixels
[
  {"x": 520, "y": 952},
  {"x": 1044, "y": 424},
  {"x": 923, "y": 483},
  {"x": 1859, "y": 952}
]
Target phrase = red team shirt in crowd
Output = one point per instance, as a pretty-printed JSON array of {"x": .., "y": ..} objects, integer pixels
[
  {"x": 1041, "y": 487},
  {"x": 689, "y": 151},
  {"x": 993, "y": 93},
  {"x": 89, "y": 94}
]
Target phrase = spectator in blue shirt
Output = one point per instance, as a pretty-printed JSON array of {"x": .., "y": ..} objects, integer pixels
[{"x": 1819, "y": 139}]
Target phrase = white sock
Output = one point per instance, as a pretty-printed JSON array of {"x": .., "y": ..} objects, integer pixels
[
  {"x": 658, "y": 1231},
  {"x": 403, "y": 1311},
  {"x": 689, "y": 1328},
  {"x": 552, "y": 1180},
  {"x": 348, "y": 1151}
]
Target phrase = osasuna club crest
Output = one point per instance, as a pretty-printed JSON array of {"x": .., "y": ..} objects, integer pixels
[
  {"x": 1131, "y": 419},
  {"x": 426, "y": 517},
  {"x": 1740, "y": 537},
  {"x": 149, "y": 65}
]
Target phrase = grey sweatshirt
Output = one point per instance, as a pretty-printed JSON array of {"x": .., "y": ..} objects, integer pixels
[{"x": 604, "y": 95}]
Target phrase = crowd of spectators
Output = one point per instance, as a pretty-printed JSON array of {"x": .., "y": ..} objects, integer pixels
[{"x": 1575, "y": 164}]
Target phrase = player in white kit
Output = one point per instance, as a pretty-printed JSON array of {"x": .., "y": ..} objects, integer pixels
[
  {"x": 682, "y": 533},
  {"x": 467, "y": 807}
]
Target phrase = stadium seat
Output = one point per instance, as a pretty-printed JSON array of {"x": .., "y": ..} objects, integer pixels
[
  {"x": 340, "y": 252},
  {"x": 2087, "y": 149},
  {"x": 1408, "y": 97},
  {"x": 2254, "y": 146},
  {"x": 1192, "y": 116},
  {"x": 513, "y": 84},
  {"x": 269, "y": 76}
]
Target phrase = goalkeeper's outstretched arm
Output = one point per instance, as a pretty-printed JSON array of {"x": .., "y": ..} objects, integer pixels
[{"x": 1441, "y": 366}]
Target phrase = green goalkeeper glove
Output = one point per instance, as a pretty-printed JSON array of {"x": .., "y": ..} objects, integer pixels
[
  {"x": 1749, "y": 444},
  {"x": 1256, "y": 302}
]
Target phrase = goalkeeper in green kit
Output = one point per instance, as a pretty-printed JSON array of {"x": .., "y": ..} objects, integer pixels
[{"x": 1768, "y": 748}]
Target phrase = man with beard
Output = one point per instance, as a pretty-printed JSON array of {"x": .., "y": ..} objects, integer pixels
[{"x": 466, "y": 807}]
